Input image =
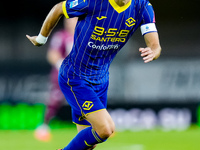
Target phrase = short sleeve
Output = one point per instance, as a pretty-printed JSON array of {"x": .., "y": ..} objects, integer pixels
[
  {"x": 74, "y": 8},
  {"x": 148, "y": 19},
  {"x": 148, "y": 14}
]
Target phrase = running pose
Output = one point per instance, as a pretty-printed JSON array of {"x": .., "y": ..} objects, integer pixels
[{"x": 103, "y": 28}]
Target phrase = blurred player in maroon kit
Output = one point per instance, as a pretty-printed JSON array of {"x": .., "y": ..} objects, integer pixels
[{"x": 59, "y": 48}]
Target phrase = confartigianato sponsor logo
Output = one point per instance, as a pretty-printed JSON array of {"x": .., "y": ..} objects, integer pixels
[{"x": 103, "y": 47}]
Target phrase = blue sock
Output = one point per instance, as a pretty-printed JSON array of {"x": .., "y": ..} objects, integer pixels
[{"x": 84, "y": 140}]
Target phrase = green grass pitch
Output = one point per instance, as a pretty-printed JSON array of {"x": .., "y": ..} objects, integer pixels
[{"x": 126, "y": 140}]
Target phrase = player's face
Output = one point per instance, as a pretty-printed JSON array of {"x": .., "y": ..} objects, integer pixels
[
  {"x": 70, "y": 24},
  {"x": 122, "y": 2}
]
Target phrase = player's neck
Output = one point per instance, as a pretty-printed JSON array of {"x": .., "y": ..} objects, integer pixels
[{"x": 121, "y": 2}]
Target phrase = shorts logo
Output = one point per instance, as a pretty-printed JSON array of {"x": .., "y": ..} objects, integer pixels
[
  {"x": 130, "y": 22},
  {"x": 87, "y": 105}
]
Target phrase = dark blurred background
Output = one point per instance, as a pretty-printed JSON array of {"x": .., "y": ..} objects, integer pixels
[{"x": 171, "y": 81}]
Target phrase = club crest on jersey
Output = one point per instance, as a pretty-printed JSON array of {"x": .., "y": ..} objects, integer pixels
[
  {"x": 73, "y": 4},
  {"x": 87, "y": 105},
  {"x": 130, "y": 22}
]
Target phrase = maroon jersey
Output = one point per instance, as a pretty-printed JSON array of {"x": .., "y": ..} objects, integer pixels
[{"x": 61, "y": 41}]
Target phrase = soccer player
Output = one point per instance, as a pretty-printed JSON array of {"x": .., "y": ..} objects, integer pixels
[
  {"x": 60, "y": 47},
  {"x": 103, "y": 28}
]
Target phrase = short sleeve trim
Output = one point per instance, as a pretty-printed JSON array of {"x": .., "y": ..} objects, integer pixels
[{"x": 64, "y": 9}]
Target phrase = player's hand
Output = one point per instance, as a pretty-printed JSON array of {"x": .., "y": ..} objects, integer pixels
[
  {"x": 33, "y": 40},
  {"x": 147, "y": 54}
]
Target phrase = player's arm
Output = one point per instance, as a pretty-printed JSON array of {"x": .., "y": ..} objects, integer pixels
[
  {"x": 149, "y": 31},
  {"x": 50, "y": 22},
  {"x": 153, "y": 49}
]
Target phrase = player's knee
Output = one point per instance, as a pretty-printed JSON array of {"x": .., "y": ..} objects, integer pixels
[{"x": 107, "y": 131}]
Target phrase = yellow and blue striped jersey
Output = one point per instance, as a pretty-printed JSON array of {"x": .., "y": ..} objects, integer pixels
[{"x": 102, "y": 30}]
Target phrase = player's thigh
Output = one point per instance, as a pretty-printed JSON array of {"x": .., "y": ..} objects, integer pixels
[
  {"x": 81, "y": 127},
  {"x": 101, "y": 122}
]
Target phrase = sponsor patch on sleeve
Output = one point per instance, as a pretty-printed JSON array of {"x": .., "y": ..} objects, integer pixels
[{"x": 73, "y": 3}]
